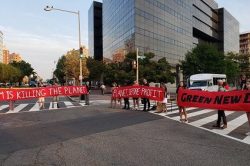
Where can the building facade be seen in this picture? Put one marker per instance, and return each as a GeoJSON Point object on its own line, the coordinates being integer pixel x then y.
{"type": "Point", "coordinates": [14, 57]}
{"type": "Point", "coordinates": [6, 56]}
{"type": "Point", "coordinates": [167, 28]}
{"type": "Point", "coordinates": [1, 47]}
{"type": "Point", "coordinates": [95, 31]}
{"type": "Point", "coordinates": [245, 43]}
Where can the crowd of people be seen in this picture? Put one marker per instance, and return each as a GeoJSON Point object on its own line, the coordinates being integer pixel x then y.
{"type": "Point", "coordinates": [161, 106]}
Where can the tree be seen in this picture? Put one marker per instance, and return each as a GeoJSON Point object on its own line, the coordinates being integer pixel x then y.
{"type": "Point", "coordinates": [96, 69]}
{"type": "Point", "coordinates": [60, 69]}
{"type": "Point", "coordinates": [243, 61]}
{"type": "Point", "coordinates": [153, 71]}
{"type": "Point", "coordinates": [8, 73]}
{"type": "Point", "coordinates": [72, 65]}
{"type": "Point", "coordinates": [204, 58]}
{"type": "Point", "coordinates": [24, 68]}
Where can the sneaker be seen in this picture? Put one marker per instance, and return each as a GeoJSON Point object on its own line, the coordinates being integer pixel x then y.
{"type": "Point", "coordinates": [224, 127]}
{"type": "Point", "coordinates": [186, 121]}
{"type": "Point", "coordinates": [248, 134]}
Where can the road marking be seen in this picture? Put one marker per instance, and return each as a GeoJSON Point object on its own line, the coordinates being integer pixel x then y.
{"type": "Point", "coordinates": [177, 111]}
{"type": "Point", "coordinates": [35, 107]}
{"type": "Point", "coordinates": [246, 140]}
{"type": "Point", "coordinates": [68, 104]}
{"type": "Point", "coordinates": [208, 119]}
{"type": "Point", "coordinates": [233, 124]}
{"type": "Point", "coordinates": [53, 105]}
{"type": "Point", "coordinates": [189, 115]}
{"type": "Point", "coordinates": [82, 104]}
{"type": "Point", "coordinates": [18, 108]}
{"type": "Point", "coordinates": [3, 107]}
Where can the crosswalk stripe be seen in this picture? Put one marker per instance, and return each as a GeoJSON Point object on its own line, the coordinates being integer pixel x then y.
{"type": "Point", "coordinates": [68, 104]}
{"type": "Point", "coordinates": [82, 104]}
{"type": "Point", "coordinates": [194, 114]}
{"type": "Point", "coordinates": [3, 107]}
{"type": "Point", "coordinates": [233, 124]}
{"type": "Point", "coordinates": [246, 140]}
{"type": "Point", "coordinates": [53, 105]}
{"type": "Point", "coordinates": [18, 108]}
{"type": "Point", "coordinates": [176, 111]}
{"type": "Point", "coordinates": [35, 107]}
{"type": "Point", "coordinates": [209, 119]}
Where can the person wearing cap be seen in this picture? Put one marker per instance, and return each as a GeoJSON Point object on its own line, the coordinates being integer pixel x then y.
{"type": "Point", "coordinates": [221, 113]}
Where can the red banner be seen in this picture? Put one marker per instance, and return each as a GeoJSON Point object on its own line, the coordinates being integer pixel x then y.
{"type": "Point", "coordinates": [139, 92]}
{"type": "Point", "coordinates": [231, 100]}
{"type": "Point", "coordinates": [29, 93]}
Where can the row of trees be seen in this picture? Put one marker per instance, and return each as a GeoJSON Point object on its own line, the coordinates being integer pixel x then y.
{"type": "Point", "coordinates": [205, 58]}
{"type": "Point", "coordinates": [15, 72]}
{"type": "Point", "coordinates": [122, 72]}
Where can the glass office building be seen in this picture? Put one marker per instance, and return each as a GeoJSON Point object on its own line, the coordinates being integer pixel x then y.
{"type": "Point", "coordinates": [1, 47]}
{"type": "Point", "coordinates": [168, 28]}
{"type": "Point", "coordinates": [95, 31]}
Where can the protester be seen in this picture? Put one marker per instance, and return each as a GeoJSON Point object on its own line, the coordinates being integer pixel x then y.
{"type": "Point", "coordinates": [136, 100]}
{"type": "Point", "coordinates": [126, 102]}
{"type": "Point", "coordinates": [103, 87]}
{"type": "Point", "coordinates": [165, 100]}
{"type": "Point", "coordinates": [41, 99]}
{"type": "Point", "coordinates": [119, 100]}
{"type": "Point", "coordinates": [55, 98]}
{"type": "Point", "coordinates": [248, 113]}
{"type": "Point", "coordinates": [221, 113]}
{"type": "Point", "coordinates": [161, 105]}
{"type": "Point", "coordinates": [243, 80]}
{"type": "Point", "coordinates": [113, 100]}
{"type": "Point", "coordinates": [182, 110]}
{"type": "Point", "coordinates": [154, 107]}
{"type": "Point", "coordinates": [145, 100]}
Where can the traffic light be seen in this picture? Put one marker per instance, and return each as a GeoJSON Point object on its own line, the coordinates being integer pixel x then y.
{"type": "Point", "coordinates": [134, 64]}
{"type": "Point", "coordinates": [81, 50]}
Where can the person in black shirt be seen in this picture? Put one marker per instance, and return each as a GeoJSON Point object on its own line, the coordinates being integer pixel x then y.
{"type": "Point", "coordinates": [146, 100]}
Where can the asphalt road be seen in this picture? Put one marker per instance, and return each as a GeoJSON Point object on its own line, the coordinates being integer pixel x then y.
{"type": "Point", "coordinates": [98, 135]}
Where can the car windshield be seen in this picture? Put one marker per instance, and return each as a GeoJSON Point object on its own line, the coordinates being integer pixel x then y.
{"type": "Point", "coordinates": [199, 83]}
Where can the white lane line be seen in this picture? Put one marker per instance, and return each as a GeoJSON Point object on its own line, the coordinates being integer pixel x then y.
{"type": "Point", "coordinates": [35, 107]}
{"type": "Point", "coordinates": [68, 104]}
{"type": "Point", "coordinates": [18, 108]}
{"type": "Point", "coordinates": [3, 107]}
{"type": "Point", "coordinates": [189, 115]}
{"type": "Point", "coordinates": [169, 113]}
{"type": "Point", "coordinates": [52, 105]}
{"type": "Point", "coordinates": [176, 111]}
{"type": "Point", "coordinates": [208, 119]}
{"type": "Point", "coordinates": [233, 124]}
{"type": "Point", "coordinates": [246, 140]}
{"type": "Point", "coordinates": [82, 104]}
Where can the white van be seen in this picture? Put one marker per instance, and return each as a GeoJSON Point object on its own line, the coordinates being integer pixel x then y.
{"type": "Point", "coordinates": [205, 81]}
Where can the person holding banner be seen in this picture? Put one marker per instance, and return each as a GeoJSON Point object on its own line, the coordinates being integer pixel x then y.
{"type": "Point", "coordinates": [41, 99]}
{"type": "Point", "coordinates": [113, 100]}
{"type": "Point", "coordinates": [145, 100]}
{"type": "Point", "coordinates": [126, 101]}
{"type": "Point", "coordinates": [182, 110]}
{"type": "Point", "coordinates": [136, 100]}
{"type": "Point", "coordinates": [221, 113]}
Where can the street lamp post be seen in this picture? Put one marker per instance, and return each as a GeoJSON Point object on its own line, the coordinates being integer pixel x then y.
{"type": "Point", "coordinates": [48, 8]}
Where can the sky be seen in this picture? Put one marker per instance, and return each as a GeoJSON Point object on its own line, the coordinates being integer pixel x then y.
{"type": "Point", "coordinates": [41, 37]}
